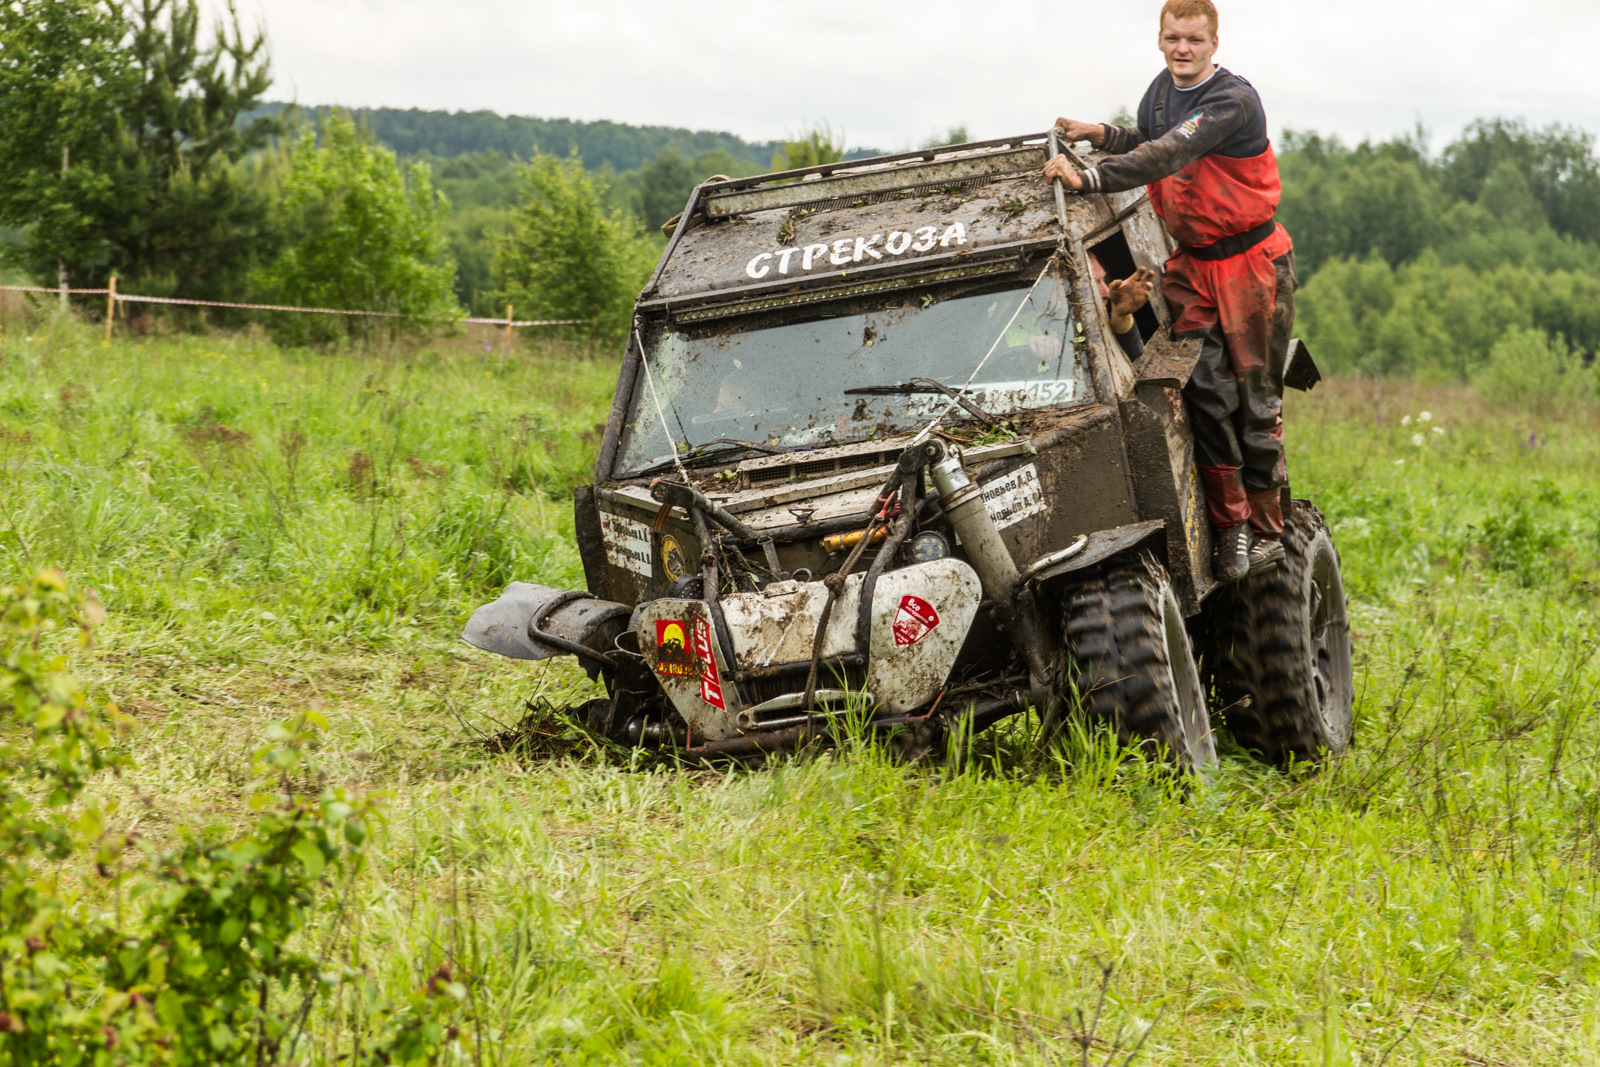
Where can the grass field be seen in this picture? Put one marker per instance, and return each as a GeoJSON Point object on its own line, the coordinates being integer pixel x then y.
{"type": "Point", "coordinates": [278, 531]}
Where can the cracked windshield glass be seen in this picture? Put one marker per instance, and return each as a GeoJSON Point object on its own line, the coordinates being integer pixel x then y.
{"type": "Point", "coordinates": [786, 386]}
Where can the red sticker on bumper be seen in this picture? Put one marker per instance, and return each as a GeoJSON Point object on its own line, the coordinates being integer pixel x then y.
{"type": "Point", "coordinates": [673, 654]}
{"type": "Point", "coordinates": [710, 684]}
{"type": "Point", "coordinates": [914, 620]}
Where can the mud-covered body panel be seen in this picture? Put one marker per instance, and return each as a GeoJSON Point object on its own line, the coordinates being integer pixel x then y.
{"type": "Point", "coordinates": [920, 617]}
{"type": "Point", "coordinates": [1083, 482]}
{"type": "Point", "coordinates": [834, 239]}
{"type": "Point", "coordinates": [1112, 463]}
{"type": "Point", "coordinates": [1161, 452]}
{"type": "Point", "coordinates": [742, 253]}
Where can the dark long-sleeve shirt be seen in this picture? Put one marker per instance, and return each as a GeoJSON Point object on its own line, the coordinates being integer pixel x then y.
{"type": "Point", "coordinates": [1132, 342]}
{"type": "Point", "coordinates": [1222, 116]}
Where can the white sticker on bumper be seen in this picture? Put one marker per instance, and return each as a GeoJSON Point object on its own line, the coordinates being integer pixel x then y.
{"type": "Point", "coordinates": [627, 543]}
{"type": "Point", "coordinates": [1014, 497]}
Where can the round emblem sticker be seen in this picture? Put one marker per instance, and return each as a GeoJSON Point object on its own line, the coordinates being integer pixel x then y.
{"type": "Point", "coordinates": [672, 558]}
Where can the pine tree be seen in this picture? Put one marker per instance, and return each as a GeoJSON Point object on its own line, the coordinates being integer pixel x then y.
{"type": "Point", "coordinates": [61, 78]}
{"type": "Point", "coordinates": [122, 146]}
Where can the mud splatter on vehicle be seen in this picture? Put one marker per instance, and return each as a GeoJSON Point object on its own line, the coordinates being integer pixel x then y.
{"type": "Point", "coordinates": [874, 452]}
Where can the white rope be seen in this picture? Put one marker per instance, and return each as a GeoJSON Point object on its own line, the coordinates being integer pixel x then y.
{"type": "Point", "coordinates": [127, 298]}
{"type": "Point", "coordinates": [950, 404]}
{"type": "Point", "coordinates": [660, 413]}
{"type": "Point", "coordinates": [131, 298]}
{"type": "Point", "coordinates": [43, 289]}
{"type": "Point", "coordinates": [528, 322]}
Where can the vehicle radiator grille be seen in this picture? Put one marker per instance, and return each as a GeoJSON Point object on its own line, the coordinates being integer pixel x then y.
{"type": "Point", "coordinates": [802, 471]}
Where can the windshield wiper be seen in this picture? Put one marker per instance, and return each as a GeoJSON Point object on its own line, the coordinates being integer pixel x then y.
{"type": "Point", "coordinates": [924, 385]}
{"type": "Point", "coordinates": [710, 454]}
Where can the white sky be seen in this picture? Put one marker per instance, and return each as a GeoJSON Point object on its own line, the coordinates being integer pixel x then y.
{"type": "Point", "coordinates": [893, 72]}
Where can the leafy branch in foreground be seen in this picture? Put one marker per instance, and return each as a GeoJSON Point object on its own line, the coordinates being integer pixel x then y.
{"type": "Point", "coordinates": [209, 969]}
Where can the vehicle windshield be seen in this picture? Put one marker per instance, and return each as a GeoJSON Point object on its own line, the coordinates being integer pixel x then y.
{"type": "Point", "coordinates": [785, 385]}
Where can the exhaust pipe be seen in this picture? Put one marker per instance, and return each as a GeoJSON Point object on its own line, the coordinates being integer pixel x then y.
{"type": "Point", "coordinates": [962, 500]}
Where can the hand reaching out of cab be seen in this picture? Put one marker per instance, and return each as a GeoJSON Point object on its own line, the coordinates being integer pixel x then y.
{"type": "Point", "coordinates": [1130, 294]}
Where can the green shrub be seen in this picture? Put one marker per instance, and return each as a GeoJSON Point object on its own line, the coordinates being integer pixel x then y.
{"type": "Point", "coordinates": [567, 256]}
{"type": "Point", "coordinates": [1519, 541]}
{"type": "Point", "coordinates": [208, 968]}
{"type": "Point", "coordinates": [365, 236]}
{"type": "Point", "coordinates": [1529, 369]}
{"type": "Point", "coordinates": [811, 147]}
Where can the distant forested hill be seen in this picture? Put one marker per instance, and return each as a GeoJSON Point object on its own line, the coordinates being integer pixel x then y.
{"type": "Point", "coordinates": [446, 134]}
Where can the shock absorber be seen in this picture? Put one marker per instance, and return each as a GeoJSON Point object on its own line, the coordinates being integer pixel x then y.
{"type": "Point", "coordinates": [963, 504]}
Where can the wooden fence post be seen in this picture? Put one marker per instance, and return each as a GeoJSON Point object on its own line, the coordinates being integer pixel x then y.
{"type": "Point", "coordinates": [111, 306]}
{"type": "Point", "coordinates": [508, 329]}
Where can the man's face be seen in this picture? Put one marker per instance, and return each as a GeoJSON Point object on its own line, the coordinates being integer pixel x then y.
{"type": "Point", "coordinates": [1188, 46]}
{"type": "Point", "coordinates": [1100, 278]}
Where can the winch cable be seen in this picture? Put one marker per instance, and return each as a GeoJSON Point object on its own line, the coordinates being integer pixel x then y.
{"type": "Point", "coordinates": [655, 398]}
{"type": "Point", "coordinates": [710, 546]}
{"type": "Point", "coordinates": [835, 584]}
{"type": "Point", "coordinates": [951, 405]}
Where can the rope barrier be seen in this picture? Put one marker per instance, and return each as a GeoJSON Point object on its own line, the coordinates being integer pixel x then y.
{"type": "Point", "coordinates": [528, 322]}
{"type": "Point", "coordinates": [124, 298]}
{"type": "Point", "coordinates": [128, 298]}
{"type": "Point", "coordinates": [42, 289]}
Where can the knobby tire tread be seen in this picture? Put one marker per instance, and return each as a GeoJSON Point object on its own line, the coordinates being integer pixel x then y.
{"type": "Point", "coordinates": [1261, 671]}
{"type": "Point", "coordinates": [1116, 648]}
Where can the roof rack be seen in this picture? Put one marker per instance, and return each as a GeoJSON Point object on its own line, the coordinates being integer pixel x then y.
{"type": "Point", "coordinates": [875, 178]}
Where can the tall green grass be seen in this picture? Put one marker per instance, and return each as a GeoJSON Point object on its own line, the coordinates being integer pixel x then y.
{"type": "Point", "coordinates": [199, 477]}
{"type": "Point", "coordinates": [1431, 898]}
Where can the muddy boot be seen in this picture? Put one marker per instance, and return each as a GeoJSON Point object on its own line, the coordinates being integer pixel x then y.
{"type": "Point", "coordinates": [1264, 552]}
{"type": "Point", "coordinates": [1230, 553]}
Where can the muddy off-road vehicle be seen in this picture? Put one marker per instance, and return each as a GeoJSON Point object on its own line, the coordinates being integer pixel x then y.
{"type": "Point", "coordinates": [876, 458]}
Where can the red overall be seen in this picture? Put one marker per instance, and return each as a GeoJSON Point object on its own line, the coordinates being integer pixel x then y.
{"type": "Point", "coordinates": [1242, 309]}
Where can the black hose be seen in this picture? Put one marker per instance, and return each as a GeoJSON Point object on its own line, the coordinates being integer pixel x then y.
{"type": "Point", "coordinates": [679, 494]}
{"type": "Point", "coordinates": [886, 553]}
{"type": "Point", "coordinates": [835, 584]}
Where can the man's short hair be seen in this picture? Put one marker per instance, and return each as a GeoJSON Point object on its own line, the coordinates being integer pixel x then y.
{"type": "Point", "coordinates": [1191, 9]}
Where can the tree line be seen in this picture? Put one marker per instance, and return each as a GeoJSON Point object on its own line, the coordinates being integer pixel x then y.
{"type": "Point", "coordinates": [1426, 263]}
{"type": "Point", "coordinates": [618, 145]}
{"type": "Point", "coordinates": [138, 145]}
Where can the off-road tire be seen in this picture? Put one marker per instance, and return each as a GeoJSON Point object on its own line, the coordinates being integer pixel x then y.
{"type": "Point", "coordinates": [1277, 646]}
{"type": "Point", "coordinates": [1127, 662]}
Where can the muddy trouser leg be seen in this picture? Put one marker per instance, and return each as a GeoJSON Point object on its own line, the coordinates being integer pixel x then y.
{"type": "Point", "coordinates": [1211, 394]}
{"type": "Point", "coordinates": [1255, 298]}
{"type": "Point", "coordinates": [1260, 415]}
{"type": "Point", "coordinates": [1212, 397]}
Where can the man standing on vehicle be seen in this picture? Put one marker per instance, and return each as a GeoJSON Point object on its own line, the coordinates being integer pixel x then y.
{"type": "Point", "coordinates": [1202, 148]}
